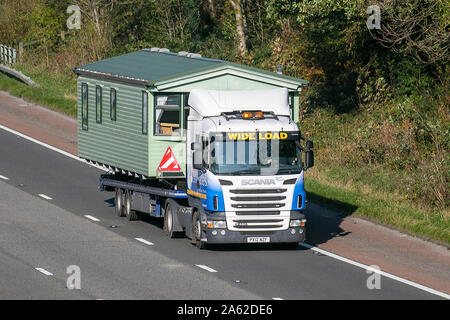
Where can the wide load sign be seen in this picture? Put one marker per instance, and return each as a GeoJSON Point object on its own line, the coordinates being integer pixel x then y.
{"type": "Point", "coordinates": [257, 135]}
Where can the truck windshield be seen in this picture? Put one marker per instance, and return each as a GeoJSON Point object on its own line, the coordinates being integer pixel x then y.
{"type": "Point", "coordinates": [255, 153]}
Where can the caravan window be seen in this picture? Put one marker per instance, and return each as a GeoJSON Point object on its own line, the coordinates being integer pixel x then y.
{"type": "Point", "coordinates": [291, 104]}
{"type": "Point", "coordinates": [144, 112]}
{"type": "Point", "coordinates": [84, 106]}
{"type": "Point", "coordinates": [112, 104]}
{"type": "Point", "coordinates": [167, 114]}
{"type": "Point", "coordinates": [98, 104]}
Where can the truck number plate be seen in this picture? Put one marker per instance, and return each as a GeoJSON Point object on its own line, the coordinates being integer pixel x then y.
{"type": "Point", "coordinates": [258, 239]}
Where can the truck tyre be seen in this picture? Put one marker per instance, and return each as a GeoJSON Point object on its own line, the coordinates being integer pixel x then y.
{"type": "Point", "coordinates": [130, 214]}
{"type": "Point", "coordinates": [168, 221]}
{"type": "Point", "coordinates": [196, 237]}
{"type": "Point", "coordinates": [118, 202]}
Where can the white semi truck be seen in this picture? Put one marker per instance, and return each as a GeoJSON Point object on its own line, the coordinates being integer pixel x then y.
{"type": "Point", "coordinates": [245, 165]}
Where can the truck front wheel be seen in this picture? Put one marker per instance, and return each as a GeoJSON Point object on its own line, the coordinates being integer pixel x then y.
{"type": "Point", "coordinates": [196, 237]}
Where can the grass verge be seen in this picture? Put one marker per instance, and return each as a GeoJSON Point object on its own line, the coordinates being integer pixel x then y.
{"type": "Point", "coordinates": [58, 92]}
{"type": "Point", "coordinates": [381, 208]}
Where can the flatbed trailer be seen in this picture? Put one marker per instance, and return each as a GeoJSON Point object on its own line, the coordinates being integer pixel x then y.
{"type": "Point", "coordinates": [155, 197]}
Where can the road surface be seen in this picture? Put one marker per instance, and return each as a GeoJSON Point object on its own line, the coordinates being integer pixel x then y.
{"type": "Point", "coordinates": [52, 216]}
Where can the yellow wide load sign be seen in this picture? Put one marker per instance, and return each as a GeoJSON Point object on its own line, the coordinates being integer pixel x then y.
{"type": "Point", "coordinates": [257, 135]}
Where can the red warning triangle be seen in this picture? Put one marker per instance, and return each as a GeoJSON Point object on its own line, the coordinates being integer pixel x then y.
{"type": "Point", "coordinates": [168, 162]}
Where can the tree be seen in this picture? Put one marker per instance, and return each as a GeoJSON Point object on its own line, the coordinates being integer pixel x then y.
{"type": "Point", "coordinates": [418, 28]}
{"type": "Point", "coordinates": [240, 26]}
{"type": "Point", "coordinates": [211, 10]}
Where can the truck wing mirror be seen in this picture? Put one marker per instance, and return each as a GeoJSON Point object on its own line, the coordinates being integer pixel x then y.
{"type": "Point", "coordinates": [309, 155]}
{"type": "Point", "coordinates": [309, 159]}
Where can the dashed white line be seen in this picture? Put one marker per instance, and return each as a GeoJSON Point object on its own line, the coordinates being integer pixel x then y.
{"type": "Point", "coordinates": [44, 196]}
{"type": "Point", "coordinates": [277, 298]}
{"type": "Point", "coordinates": [386, 274]}
{"type": "Point", "coordinates": [3, 177]}
{"type": "Point", "coordinates": [206, 268]}
{"type": "Point", "coordinates": [145, 241]}
{"type": "Point", "coordinates": [92, 218]}
{"type": "Point", "coordinates": [42, 270]}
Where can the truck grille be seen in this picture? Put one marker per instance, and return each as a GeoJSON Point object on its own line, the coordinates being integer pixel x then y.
{"type": "Point", "coordinates": [273, 198]}
{"type": "Point", "coordinates": [262, 199]}
{"type": "Point", "coordinates": [257, 213]}
{"type": "Point", "coordinates": [253, 208]}
{"type": "Point", "coordinates": [257, 205]}
{"type": "Point", "coordinates": [257, 191]}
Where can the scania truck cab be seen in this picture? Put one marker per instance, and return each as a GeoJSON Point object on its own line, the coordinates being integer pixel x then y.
{"type": "Point", "coordinates": [243, 180]}
{"type": "Point", "coordinates": [244, 168]}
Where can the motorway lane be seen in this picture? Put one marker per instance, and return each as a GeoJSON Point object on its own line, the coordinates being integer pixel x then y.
{"type": "Point", "coordinates": [267, 271]}
{"type": "Point", "coordinates": [37, 234]}
{"type": "Point", "coordinates": [19, 280]}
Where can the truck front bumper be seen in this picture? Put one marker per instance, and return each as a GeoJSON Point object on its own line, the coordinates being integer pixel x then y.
{"type": "Point", "coordinates": [296, 234]}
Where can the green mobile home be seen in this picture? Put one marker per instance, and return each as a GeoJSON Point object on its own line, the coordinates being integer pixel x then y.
{"type": "Point", "coordinates": [131, 108]}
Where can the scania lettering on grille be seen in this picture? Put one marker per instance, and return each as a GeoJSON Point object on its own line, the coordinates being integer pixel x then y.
{"type": "Point", "coordinates": [252, 182]}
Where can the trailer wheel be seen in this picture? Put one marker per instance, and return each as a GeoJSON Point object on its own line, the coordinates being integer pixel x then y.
{"type": "Point", "coordinates": [168, 221]}
{"type": "Point", "coordinates": [196, 237]}
{"type": "Point", "coordinates": [130, 214]}
{"type": "Point", "coordinates": [118, 201]}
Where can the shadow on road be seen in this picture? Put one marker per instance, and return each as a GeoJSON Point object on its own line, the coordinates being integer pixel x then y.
{"type": "Point", "coordinates": [324, 217]}
{"type": "Point", "coordinates": [111, 202]}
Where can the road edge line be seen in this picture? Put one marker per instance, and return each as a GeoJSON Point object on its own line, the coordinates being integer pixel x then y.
{"type": "Point", "coordinates": [383, 273]}
{"type": "Point", "coordinates": [43, 144]}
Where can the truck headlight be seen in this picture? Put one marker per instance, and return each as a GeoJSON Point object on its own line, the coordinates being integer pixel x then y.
{"type": "Point", "coordinates": [219, 224]}
{"type": "Point", "coordinates": [297, 223]}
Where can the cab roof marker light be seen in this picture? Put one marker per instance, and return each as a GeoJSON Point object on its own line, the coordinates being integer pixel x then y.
{"type": "Point", "coordinates": [247, 115]}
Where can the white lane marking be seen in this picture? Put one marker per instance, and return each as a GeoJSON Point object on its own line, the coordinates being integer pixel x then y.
{"type": "Point", "coordinates": [277, 298]}
{"type": "Point", "coordinates": [206, 268]}
{"type": "Point", "coordinates": [332, 255]}
{"type": "Point", "coordinates": [145, 241]}
{"type": "Point", "coordinates": [42, 270]}
{"type": "Point", "coordinates": [91, 218]}
{"type": "Point", "coordinates": [383, 273]}
{"type": "Point", "coordinates": [44, 196]}
{"type": "Point", "coordinates": [67, 154]}
{"type": "Point", "coordinates": [3, 177]}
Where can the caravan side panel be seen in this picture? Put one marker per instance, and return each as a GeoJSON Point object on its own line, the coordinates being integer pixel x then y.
{"type": "Point", "coordinates": [118, 143]}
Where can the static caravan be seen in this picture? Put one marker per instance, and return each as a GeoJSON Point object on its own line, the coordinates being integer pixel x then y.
{"type": "Point", "coordinates": [133, 109]}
